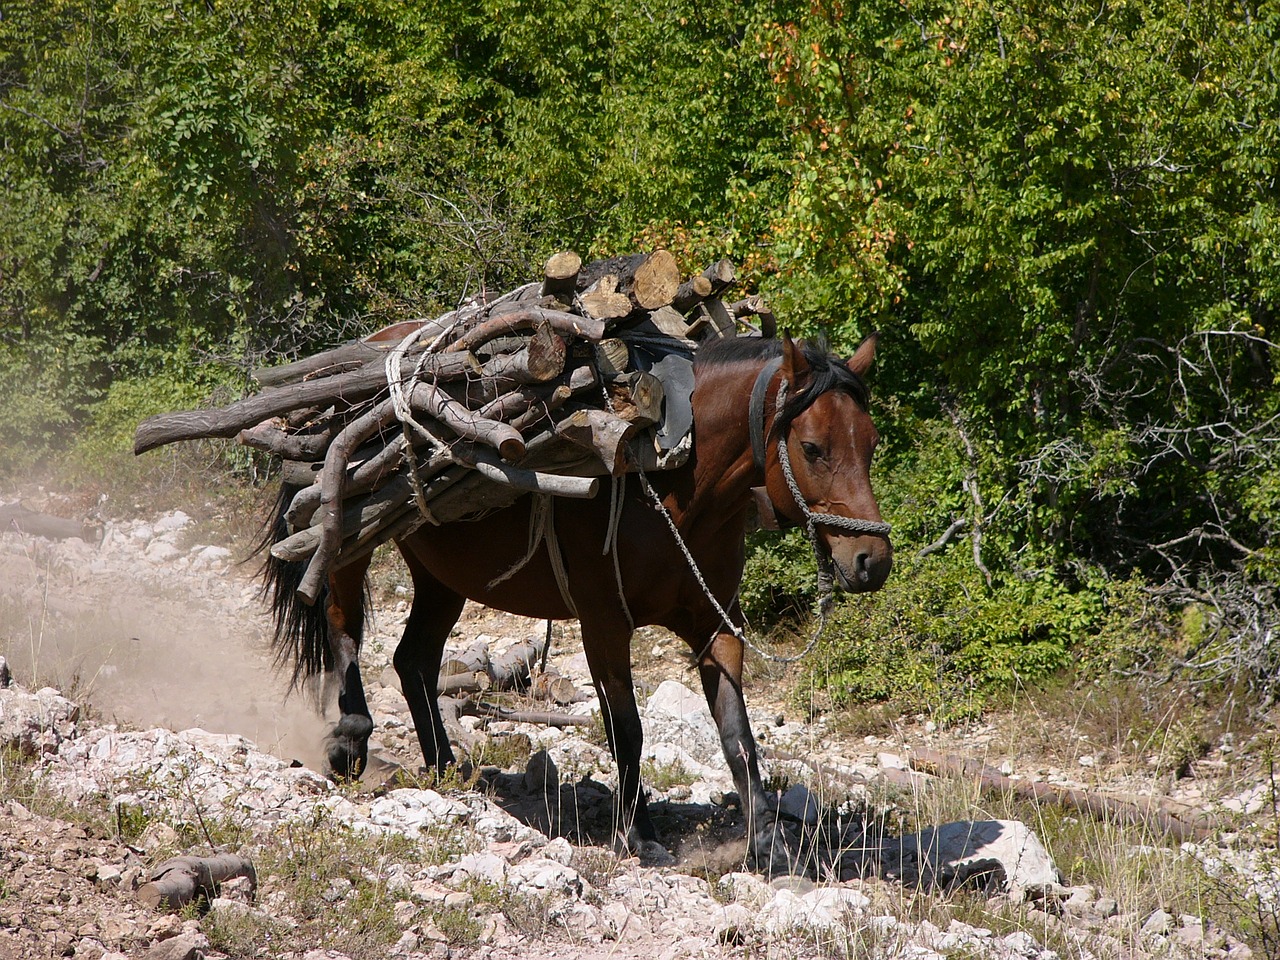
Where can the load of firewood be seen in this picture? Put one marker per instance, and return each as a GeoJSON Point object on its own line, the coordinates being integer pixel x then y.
{"type": "Point", "coordinates": [543, 389]}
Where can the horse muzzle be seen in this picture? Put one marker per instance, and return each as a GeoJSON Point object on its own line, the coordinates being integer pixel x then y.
{"type": "Point", "coordinates": [862, 564]}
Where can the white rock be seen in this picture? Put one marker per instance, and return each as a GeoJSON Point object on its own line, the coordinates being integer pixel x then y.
{"type": "Point", "coordinates": [541, 875]}
{"type": "Point", "coordinates": [161, 551]}
{"type": "Point", "coordinates": [171, 522]}
{"type": "Point", "coordinates": [674, 699]}
{"type": "Point", "coordinates": [486, 867]}
{"type": "Point", "coordinates": [1001, 852]}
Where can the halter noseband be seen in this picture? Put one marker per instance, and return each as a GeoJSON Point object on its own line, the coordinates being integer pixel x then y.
{"type": "Point", "coordinates": [769, 516]}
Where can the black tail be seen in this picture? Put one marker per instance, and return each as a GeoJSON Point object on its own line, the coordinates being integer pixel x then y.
{"type": "Point", "coordinates": [301, 632]}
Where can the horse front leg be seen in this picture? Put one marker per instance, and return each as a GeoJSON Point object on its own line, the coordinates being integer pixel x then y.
{"type": "Point", "coordinates": [720, 667]}
{"type": "Point", "coordinates": [347, 747]}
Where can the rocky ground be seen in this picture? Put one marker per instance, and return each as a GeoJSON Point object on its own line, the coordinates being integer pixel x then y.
{"type": "Point", "coordinates": [169, 737]}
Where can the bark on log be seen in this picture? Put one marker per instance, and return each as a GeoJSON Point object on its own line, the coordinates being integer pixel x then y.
{"type": "Point", "coordinates": [474, 659]}
{"type": "Point", "coordinates": [14, 516]}
{"type": "Point", "coordinates": [612, 356]}
{"type": "Point", "coordinates": [603, 434]}
{"type": "Point", "coordinates": [431, 400]}
{"type": "Point", "coordinates": [357, 385]}
{"type": "Point", "coordinates": [513, 669]}
{"type": "Point", "coordinates": [178, 881]}
{"type": "Point", "coordinates": [270, 436]}
{"type": "Point", "coordinates": [569, 325]}
{"type": "Point", "coordinates": [561, 275]}
{"type": "Point", "coordinates": [488, 466]}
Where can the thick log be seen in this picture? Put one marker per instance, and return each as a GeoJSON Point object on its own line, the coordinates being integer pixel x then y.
{"type": "Point", "coordinates": [655, 281]}
{"type": "Point", "coordinates": [616, 267]}
{"type": "Point", "coordinates": [513, 669]}
{"type": "Point", "coordinates": [612, 356]}
{"type": "Point", "coordinates": [14, 516]}
{"type": "Point", "coordinates": [722, 274]}
{"type": "Point", "coordinates": [474, 659]}
{"type": "Point", "coordinates": [637, 397]}
{"type": "Point", "coordinates": [561, 275]}
{"type": "Point", "coordinates": [356, 385]}
{"type": "Point", "coordinates": [603, 434]}
{"type": "Point", "coordinates": [602, 301]}
{"type": "Point", "coordinates": [690, 293]}
{"type": "Point", "coordinates": [178, 881]}
{"type": "Point", "coordinates": [668, 321]}
{"type": "Point", "coordinates": [540, 360]}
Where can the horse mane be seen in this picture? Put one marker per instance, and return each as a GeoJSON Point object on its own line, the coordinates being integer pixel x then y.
{"type": "Point", "coordinates": [828, 371]}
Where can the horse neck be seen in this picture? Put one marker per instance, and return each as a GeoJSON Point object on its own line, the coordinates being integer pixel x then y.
{"type": "Point", "coordinates": [724, 469]}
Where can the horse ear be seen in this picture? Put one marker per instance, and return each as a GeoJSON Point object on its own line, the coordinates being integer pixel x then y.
{"type": "Point", "coordinates": [795, 368]}
{"type": "Point", "coordinates": [860, 362]}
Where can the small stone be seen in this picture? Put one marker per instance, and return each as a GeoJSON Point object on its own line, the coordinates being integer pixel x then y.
{"type": "Point", "coordinates": [177, 948]}
{"type": "Point", "coordinates": [1158, 924]}
{"type": "Point", "coordinates": [165, 927]}
{"type": "Point", "coordinates": [1106, 907]}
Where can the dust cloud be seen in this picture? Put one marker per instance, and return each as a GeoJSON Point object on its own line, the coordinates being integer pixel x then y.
{"type": "Point", "coordinates": [146, 645]}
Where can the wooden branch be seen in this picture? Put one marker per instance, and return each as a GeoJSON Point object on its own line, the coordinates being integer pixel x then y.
{"type": "Point", "coordinates": [178, 881]}
{"type": "Point", "coordinates": [569, 325]}
{"type": "Point", "coordinates": [478, 708]}
{"type": "Point", "coordinates": [947, 535]}
{"type": "Point", "coordinates": [474, 659]}
{"type": "Point", "coordinates": [270, 436]}
{"type": "Point", "coordinates": [434, 402]}
{"type": "Point", "coordinates": [513, 669]}
{"type": "Point", "coordinates": [14, 516]}
{"type": "Point", "coordinates": [488, 466]}
{"type": "Point", "coordinates": [758, 307]}
{"type": "Point", "coordinates": [1148, 812]}
{"type": "Point", "coordinates": [357, 385]}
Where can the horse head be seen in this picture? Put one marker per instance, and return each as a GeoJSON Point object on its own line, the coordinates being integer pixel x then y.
{"type": "Point", "coordinates": [818, 465]}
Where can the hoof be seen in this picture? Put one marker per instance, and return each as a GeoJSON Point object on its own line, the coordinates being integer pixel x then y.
{"type": "Point", "coordinates": [776, 851]}
{"type": "Point", "coordinates": [348, 747]}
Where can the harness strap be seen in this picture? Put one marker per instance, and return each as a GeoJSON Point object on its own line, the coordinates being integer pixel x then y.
{"type": "Point", "coordinates": [755, 410]}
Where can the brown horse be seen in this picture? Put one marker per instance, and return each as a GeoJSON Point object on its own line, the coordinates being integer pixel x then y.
{"type": "Point", "coordinates": [823, 423]}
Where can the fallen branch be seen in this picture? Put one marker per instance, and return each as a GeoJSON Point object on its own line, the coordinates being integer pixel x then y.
{"type": "Point", "coordinates": [178, 881]}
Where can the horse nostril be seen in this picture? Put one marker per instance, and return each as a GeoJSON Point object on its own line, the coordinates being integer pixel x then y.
{"type": "Point", "coordinates": [862, 566]}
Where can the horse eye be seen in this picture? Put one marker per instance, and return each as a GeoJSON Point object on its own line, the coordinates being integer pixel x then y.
{"type": "Point", "coordinates": [811, 451]}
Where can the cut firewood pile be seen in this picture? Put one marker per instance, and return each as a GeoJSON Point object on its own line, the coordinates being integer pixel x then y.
{"type": "Point", "coordinates": [583, 374]}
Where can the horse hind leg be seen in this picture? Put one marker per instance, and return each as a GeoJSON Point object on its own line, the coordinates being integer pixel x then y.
{"type": "Point", "coordinates": [608, 651]}
{"type": "Point", "coordinates": [347, 747]}
{"type": "Point", "coordinates": [435, 610]}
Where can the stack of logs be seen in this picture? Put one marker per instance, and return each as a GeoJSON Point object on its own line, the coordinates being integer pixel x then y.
{"type": "Point", "coordinates": [437, 420]}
